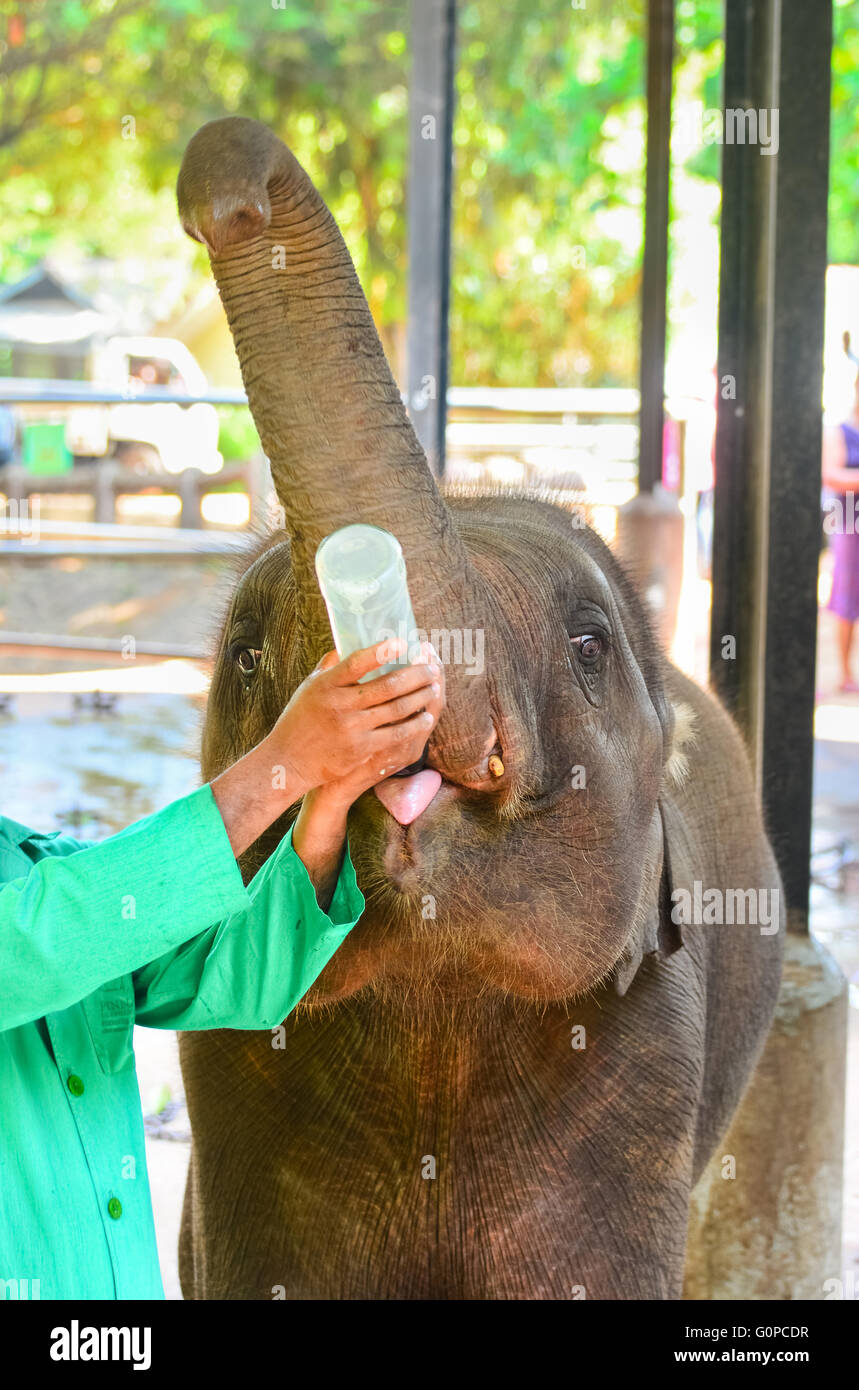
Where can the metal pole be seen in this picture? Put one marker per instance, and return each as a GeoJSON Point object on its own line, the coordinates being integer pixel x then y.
{"type": "Point", "coordinates": [433, 30]}
{"type": "Point", "coordinates": [768, 439]}
{"type": "Point", "coordinates": [788, 1133]}
{"type": "Point", "coordinates": [794, 498]}
{"type": "Point", "coordinates": [654, 283]}
{"type": "Point", "coordinates": [740, 521]}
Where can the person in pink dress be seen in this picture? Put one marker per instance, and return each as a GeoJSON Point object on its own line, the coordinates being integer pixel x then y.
{"type": "Point", "coordinates": [841, 476]}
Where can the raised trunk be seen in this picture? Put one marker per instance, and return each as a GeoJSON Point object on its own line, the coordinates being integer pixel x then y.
{"type": "Point", "coordinates": [327, 408]}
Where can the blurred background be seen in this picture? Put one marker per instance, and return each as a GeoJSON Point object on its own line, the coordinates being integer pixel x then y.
{"type": "Point", "coordinates": [131, 476]}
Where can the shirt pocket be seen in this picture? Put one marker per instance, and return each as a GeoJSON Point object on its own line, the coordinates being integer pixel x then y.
{"type": "Point", "coordinates": [109, 1013]}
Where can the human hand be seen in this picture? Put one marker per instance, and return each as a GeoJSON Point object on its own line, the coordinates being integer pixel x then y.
{"type": "Point", "coordinates": [336, 731]}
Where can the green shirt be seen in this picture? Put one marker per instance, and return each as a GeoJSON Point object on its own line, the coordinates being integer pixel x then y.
{"type": "Point", "coordinates": [152, 926]}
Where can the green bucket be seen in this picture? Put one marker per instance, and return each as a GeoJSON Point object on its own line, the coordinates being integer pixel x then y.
{"type": "Point", "coordinates": [43, 449]}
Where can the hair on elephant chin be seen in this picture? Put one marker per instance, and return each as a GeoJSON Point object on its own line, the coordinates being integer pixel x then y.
{"type": "Point", "coordinates": [676, 771]}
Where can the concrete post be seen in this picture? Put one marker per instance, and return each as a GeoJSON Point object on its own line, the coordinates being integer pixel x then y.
{"type": "Point", "coordinates": [14, 482]}
{"type": "Point", "coordinates": [650, 544]}
{"type": "Point", "coordinates": [189, 481]}
{"type": "Point", "coordinates": [105, 487]}
{"type": "Point", "coordinates": [774, 1230]}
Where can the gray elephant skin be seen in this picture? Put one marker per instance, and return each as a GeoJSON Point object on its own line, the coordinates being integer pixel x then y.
{"type": "Point", "coordinates": [506, 1082]}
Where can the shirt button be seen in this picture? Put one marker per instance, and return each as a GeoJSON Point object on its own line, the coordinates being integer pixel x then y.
{"type": "Point", "coordinates": [75, 1085]}
{"type": "Point", "coordinates": [114, 1208]}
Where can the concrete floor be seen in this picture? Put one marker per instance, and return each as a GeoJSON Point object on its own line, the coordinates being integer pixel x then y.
{"type": "Point", "coordinates": [835, 895]}
{"type": "Point", "coordinates": [166, 1159]}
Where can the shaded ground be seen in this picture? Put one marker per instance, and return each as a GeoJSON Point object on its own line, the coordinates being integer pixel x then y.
{"type": "Point", "coordinates": [175, 601]}
{"type": "Point", "coordinates": [835, 893]}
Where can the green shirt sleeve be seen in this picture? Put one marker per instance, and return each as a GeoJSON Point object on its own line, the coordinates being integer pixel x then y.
{"type": "Point", "coordinates": [250, 970]}
{"type": "Point", "coordinates": [80, 919]}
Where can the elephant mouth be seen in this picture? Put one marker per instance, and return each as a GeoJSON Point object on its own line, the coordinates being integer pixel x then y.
{"type": "Point", "coordinates": [412, 833]}
{"type": "Point", "coordinates": [407, 798]}
{"type": "Point", "coordinates": [404, 858]}
{"type": "Point", "coordinates": [399, 847]}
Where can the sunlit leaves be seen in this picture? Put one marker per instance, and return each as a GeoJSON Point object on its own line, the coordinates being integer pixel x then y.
{"type": "Point", "coordinates": [549, 152]}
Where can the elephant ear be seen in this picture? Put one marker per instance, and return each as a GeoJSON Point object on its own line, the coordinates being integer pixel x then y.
{"type": "Point", "coordinates": [658, 933]}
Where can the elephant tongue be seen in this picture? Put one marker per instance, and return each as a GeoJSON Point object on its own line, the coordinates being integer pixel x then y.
{"type": "Point", "coordinates": [407, 797]}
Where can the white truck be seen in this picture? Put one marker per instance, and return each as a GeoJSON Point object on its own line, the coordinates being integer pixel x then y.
{"type": "Point", "coordinates": [158, 438]}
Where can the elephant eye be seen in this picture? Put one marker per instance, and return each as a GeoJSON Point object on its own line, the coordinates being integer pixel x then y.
{"type": "Point", "coordinates": [589, 647]}
{"type": "Point", "coordinates": [247, 659]}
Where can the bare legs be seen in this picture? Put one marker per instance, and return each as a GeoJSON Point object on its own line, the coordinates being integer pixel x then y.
{"type": "Point", "coordinates": [845, 628]}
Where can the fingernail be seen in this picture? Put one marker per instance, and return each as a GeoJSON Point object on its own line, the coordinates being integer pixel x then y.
{"type": "Point", "coordinates": [427, 717]}
{"type": "Point", "coordinates": [435, 688]}
{"type": "Point", "coordinates": [435, 669]}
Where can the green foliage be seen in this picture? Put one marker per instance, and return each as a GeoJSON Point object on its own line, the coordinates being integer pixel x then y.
{"type": "Point", "coordinates": [92, 162]}
{"type": "Point", "coordinates": [549, 144]}
{"type": "Point", "coordinates": [98, 99]}
{"type": "Point", "coordinates": [237, 436]}
{"type": "Point", "coordinates": [844, 137]}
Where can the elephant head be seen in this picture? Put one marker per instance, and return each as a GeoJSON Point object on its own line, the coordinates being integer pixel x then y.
{"type": "Point", "coordinates": [508, 880]}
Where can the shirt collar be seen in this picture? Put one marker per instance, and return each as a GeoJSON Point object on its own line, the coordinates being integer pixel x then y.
{"type": "Point", "coordinates": [19, 834]}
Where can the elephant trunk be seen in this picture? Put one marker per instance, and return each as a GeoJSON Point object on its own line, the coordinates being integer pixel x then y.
{"type": "Point", "coordinates": [327, 408]}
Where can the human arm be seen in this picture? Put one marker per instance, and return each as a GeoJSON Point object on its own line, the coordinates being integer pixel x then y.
{"type": "Point", "coordinates": [303, 903]}
{"type": "Point", "coordinates": [74, 922]}
{"type": "Point", "coordinates": [250, 970]}
{"type": "Point", "coordinates": [77, 920]}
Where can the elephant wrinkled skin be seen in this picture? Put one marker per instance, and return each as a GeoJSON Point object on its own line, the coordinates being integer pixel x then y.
{"type": "Point", "coordinates": [507, 1080]}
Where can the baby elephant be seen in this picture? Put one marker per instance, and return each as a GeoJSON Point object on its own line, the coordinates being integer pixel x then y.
{"type": "Point", "coordinates": [507, 1080]}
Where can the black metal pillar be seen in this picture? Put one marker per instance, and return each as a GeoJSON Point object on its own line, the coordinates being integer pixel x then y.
{"type": "Point", "coordinates": [431, 102]}
{"type": "Point", "coordinates": [768, 438]}
{"type": "Point", "coordinates": [654, 278]}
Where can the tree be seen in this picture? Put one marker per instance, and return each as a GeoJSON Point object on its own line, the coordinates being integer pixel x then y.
{"type": "Point", "coordinates": [98, 99]}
